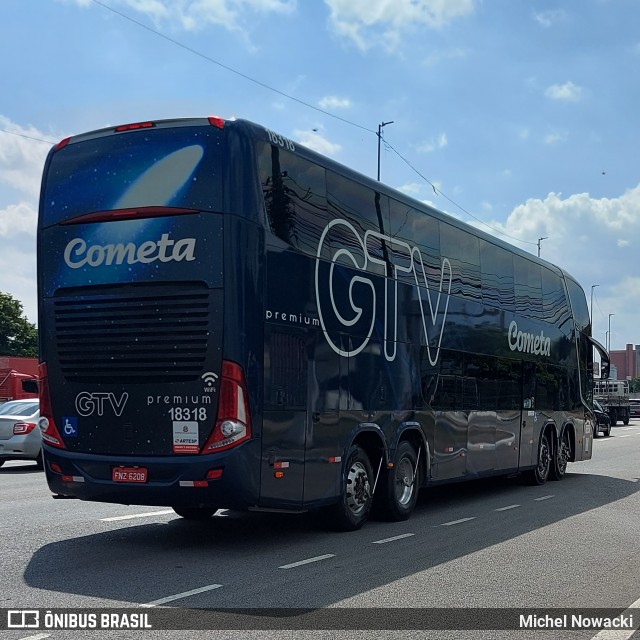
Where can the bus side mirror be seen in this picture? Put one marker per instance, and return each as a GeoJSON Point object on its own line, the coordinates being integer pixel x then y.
{"type": "Point", "coordinates": [605, 367]}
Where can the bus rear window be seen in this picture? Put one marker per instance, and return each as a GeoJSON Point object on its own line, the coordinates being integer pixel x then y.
{"type": "Point", "coordinates": [166, 167]}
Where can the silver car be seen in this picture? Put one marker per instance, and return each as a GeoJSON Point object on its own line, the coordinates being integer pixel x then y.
{"type": "Point", "coordinates": [20, 437]}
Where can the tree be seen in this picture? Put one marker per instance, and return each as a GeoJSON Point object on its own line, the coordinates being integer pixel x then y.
{"type": "Point", "coordinates": [18, 337]}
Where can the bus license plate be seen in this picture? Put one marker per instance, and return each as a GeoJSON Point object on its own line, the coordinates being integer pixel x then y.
{"type": "Point", "coordinates": [129, 474]}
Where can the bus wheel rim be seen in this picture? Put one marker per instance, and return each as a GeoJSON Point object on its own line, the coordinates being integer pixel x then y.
{"type": "Point", "coordinates": [358, 490]}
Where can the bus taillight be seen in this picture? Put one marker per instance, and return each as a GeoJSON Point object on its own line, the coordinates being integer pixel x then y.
{"type": "Point", "coordinates": [233, 425]}
{"type": "Point", "coordinates": [50, 433]}
{"type": "Point", "coordinates": [63, 143]}
{"type": "Point", "coordinates": [134, 126]}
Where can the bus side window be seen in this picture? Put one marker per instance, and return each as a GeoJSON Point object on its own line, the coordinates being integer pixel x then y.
{"type": "Point", "coordinates": [528, 287]}
{"type": "Point", "coordinates": [295, 197]}
{"type": "Point", "coordinates": [463, 251]}
{"type": "Point", "coordinates": [496, 265]}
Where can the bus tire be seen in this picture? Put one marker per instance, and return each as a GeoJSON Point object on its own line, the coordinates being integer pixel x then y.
{"type": "Point", "coordinates": [539, 474]}
{"type": "Point", "coordinates": [352, 510]}
{"type": "Point", "coordinates": [195, 513]}
{"type": "Point", "coordinates": [626, 418]}
{"type": "Point", "coordinates": [400, 494]}
{"type": "Point", "coordinates": [561, 457]}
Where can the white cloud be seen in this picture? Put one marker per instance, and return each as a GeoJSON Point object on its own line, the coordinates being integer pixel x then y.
{"type": "Point", "coordinates": [316, 142]}
{"type": "Point", "coordinates": [369, 22]}
{"type": "Point", "coordinates": [601, 219]}
{"type": "Point", "coordinates": [332, 102]}
{"type": "Point", "coordinates": [411, 189]}
{"type": "Point", "coordinates": [17, 219]}
{"type": "Point", "coordinates": [193, 15]}
{"type": "Point", "coordinates": [556, 137]}
{"type": "Point", "coordinates": [549, 18]}
{"type": "Point", "coordinates": [567, 92]}
{"type": "Point", "coordinates": [22, 156]}
{"type": "Point", "coordinates": [431, 145]}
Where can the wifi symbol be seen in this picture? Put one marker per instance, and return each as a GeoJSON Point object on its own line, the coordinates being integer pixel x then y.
{"type": "Point", "coordinates": [210, 378]}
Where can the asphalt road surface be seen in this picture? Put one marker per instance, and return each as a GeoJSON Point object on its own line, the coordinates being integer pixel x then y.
{"type": "Point", "coordinates": [497, 545]}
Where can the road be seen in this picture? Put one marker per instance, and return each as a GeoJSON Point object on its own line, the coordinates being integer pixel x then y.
{"type": "Point", "coordinates": [490, 544]}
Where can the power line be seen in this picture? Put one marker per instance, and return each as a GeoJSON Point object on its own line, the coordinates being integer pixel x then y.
{"type": "Point", "coordinates": [446, 197]}
{"type": "Point", "coordinates": [264, 85]}
{"type": "Point", "coordinates": [306, 104]}
{"type": "Point", "coordinates": [290, 97]}
{"type": "Point", "coordinates": [22, 135]}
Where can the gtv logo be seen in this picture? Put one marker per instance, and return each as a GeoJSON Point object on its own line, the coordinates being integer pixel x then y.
{"type": "Point", "coordinates": [88, 404]}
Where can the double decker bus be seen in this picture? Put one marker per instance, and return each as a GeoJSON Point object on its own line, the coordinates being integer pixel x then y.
{"type": "Point", "coordinates": [230, 320]}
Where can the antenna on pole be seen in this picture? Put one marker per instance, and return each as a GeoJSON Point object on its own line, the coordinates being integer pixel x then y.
{"type": "Point", "coordinates": [539, 241]}
{"type": "Point", "coordinates": [380, 126]}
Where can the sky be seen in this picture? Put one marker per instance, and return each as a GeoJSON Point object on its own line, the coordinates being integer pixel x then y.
{"type": "Point", "coordinates": [519, 117]}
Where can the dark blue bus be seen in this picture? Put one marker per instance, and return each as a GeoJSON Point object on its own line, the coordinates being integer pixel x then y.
{"type": "Point", "coordinates": [230, 320]}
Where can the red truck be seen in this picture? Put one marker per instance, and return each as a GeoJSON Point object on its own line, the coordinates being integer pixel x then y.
{"type": "Point", "coordinates": [13, 371]}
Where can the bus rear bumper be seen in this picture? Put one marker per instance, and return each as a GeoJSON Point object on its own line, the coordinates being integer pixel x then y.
{"type": "Point", "coordinates": [221, 480]}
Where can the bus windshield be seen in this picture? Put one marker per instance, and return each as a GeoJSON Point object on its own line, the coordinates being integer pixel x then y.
{"type": "Point", "coordinates": [170, 166]}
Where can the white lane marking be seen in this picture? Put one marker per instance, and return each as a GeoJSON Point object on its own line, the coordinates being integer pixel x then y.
{"type": "Point", "coordinates": [621, 634]}
{"type": "Point", "coordinates": [511, 506]}
{"type": "Point", "coordinates": [308, 561]}
{"type": "Point", "coordinates": [38, 636]}
{"type": "Point", "coordinates": [448, 524]}
{"type": "Point", "coordinates": [625, 436]}
{"type": "Point", "coordinates": [544, 497]}
{"type": "Point", "coordinates": [137, 515]}
{"type": "Point", "coordinates": [184, 594]}
{"type": "Point", "coordinates": [404, 535]}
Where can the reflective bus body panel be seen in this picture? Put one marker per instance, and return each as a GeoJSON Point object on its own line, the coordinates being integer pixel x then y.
{"type": "Point", "coordinates": [350, 308]}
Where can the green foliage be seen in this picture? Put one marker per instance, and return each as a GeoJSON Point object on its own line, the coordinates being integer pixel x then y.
{"type": "Point", "coordinates": [634, 385]}
{"type": "Point", "coordinates": [18, 337]}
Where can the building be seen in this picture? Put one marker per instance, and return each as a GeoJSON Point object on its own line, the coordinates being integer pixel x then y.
{"type": "Point", "coordinates": [627, 362]}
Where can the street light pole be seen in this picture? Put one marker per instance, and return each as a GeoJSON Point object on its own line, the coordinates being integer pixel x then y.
{"type": "Point", "coordinates": [380, 126]}
{"type": "Point", "coordinates": [609, 333]}
{"type": "Point", "coordinates": [539, 241]}
{"type": "Point", "coordinates": [593, 286]}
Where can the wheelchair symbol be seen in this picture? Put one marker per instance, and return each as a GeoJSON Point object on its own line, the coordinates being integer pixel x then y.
{"type": "Point", "coordinates": [70, 427]}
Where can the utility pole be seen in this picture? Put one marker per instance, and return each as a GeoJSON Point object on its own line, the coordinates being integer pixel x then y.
{"type": "Point", "coordinates": [380, 126]}
{"type": "Point", "coordinates": [593, 286]}
{"type": "Point", "coordinates": [609, 332]}
{"type": "Point", "coordinates": [539, 241]}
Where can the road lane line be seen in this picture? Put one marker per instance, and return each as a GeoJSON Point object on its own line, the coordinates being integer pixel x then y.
{"type": "Point", "coordinates": [38, 636]}
{"type": "Point", "coordinates": [511, 506]}
{"type": "Point", "coordinates": [621, 634]}
{"type": "Point", "coordinates": [544, 497]}
{"type": "Point", "coordinates": [308, 561]}
{"type": "Point", "coordinates": [178, 596]}
{"type": "Point", "coordinates": [137, 515]}
{"type": "Point", "coordinates": [404, 535]}
{"type": "Point", "coordinates": [448, 524]}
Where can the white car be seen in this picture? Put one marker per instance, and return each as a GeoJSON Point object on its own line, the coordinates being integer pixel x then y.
{"type": "Point", "coordinates": [20, 437]}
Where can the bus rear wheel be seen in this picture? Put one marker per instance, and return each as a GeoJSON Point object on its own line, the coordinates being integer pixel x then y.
{"type": "Point", "coordinates": [561, 457]}
{"type": "Point", "coordinates": [195, 513]}
{"type": "Point", "coordinates": [400, 489]}
{"type": "Point", "coordinates": [538, 475]}
{"type": "Point", "coordinates": [353, 508]}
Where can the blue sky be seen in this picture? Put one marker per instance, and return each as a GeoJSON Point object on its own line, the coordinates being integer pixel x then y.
{"type": "Point", "coordinates": [517, 114]}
